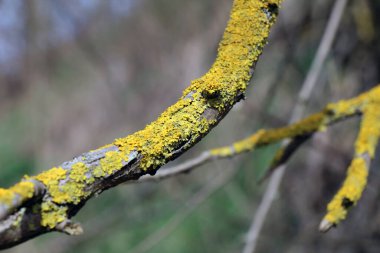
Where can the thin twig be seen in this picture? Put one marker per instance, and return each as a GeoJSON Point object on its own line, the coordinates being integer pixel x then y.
{"type": "Point", "coordinates": [304, 95]}
{"type": "Point", "coordinates": [185, 167]}
{"type": "Point", "coordinates": [197, 199]}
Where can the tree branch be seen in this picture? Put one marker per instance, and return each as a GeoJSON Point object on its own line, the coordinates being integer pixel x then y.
{"type": "Point", "coordinates": [297, 132]}
{"type": "Point", "coordinates": [297, 113]}
{"type": "Point", "coordinates": [27, 212]}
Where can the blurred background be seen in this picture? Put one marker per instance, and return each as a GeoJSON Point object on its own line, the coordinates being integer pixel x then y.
{"type": "Point", "coordinates": [75, 75]}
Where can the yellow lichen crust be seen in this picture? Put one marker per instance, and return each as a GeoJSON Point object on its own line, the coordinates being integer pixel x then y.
{"type": "Point", "coordinates": [242, 44]}
{"type": "Point", "coordinates": [356, 179]}
{"type": "Point", "coordinates": [370, 130]}
{"type": "Point", "coordinates": [112, 162]}
{"type": "Point", "coordinates": [52, 214]}
{"type": "Point", "coordinates": [23, 189]}
{"type": "Point", "coordinates": [311, 124]}
{"type": "Point", "coordinates": [51, 180]}
{"type": "Point", "coordinates": [354, 105]}
{"type": "Point", "coordinates": [6, 197]}
{"type": "Point", "coordinates": [349, 193]}
{"type": "Point", "coordinates": [64, 187]}
{"type": "Point", "coordinates": [15, 196]}
{"type": "Point", "coordinates": [308, 125]}
{"type": "Point", "coordinates": [239, 146]}
{"type": "Point", "coordinates": [200, 108]}
{"type": "Point", "coordinates": [182, 124]}
{"type": "Point", "coordinates": [188, 120]}
{"type": "Point", "coordinates": [367, 104]}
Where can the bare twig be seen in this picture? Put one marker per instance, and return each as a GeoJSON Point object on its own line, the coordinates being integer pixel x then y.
{"type": "Point", "coordinates": [191, 205]}
{"type": "Point", "coordinates": [184, 167]}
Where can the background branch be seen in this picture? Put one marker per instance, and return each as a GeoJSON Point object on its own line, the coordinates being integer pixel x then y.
{"type": "Point", "coordinates": [299, 108]}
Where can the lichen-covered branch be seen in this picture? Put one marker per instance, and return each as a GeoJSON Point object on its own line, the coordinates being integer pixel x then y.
{"type": "Point", "coordinates": [357, 173]}
{"type": "Point", "coordinates": [298, 133]}
{"type": "Point", "coordinates": [46, 202]}
{"type": "Point", "coordinates": [366, 104]}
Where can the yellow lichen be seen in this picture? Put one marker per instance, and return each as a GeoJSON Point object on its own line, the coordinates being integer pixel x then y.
{"type": "Point", "coordinates": [368, 137]}
{"type": "Point", "coordinates": [248, 143]}
{"type": "Point", "coordinates": [6, 196]}
{"type": "Point", "coordinates": [356, 179]}
{"type": "Point", "coordinates": [53, 175]}
{"type": "Point", "coordinates": [24, 189]}
{"type": "Point", "coordinates": [239, 146]}
{"type": "Point", "coordinates": [78, 173]}
{"type": "Point", "coordinates": [349, 193]}
{"type": "Point", "coordinates": [223, 151]}
{"type": "Point", "coordinates": [207, 99]}
{"type": "Point", "coordinates": [52, 214]}
{"type": "Point", "coordinates": [112, 162]}
{"type": "Point", "coordinates": [72, 190]}
{"type": "Point", "coordinates": [64, 187]}
{"type": "Point", "coordinates": [354, 105]}
{"type": "Point", "coordinates": [311, 124]}
{"type": "Point", "coordinates": [242, 43]}
{"type": "Point", "coordinates": [51, 180]}
{"type": "Point", "coordinates": [369, 105]}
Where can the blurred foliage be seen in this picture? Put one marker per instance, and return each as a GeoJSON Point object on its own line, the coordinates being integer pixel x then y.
{"type": "Point", "coordinates": [76, 74]}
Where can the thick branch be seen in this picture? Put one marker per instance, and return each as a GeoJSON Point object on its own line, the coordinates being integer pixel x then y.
{"type": "Point", "coordinates": [203, 104]}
